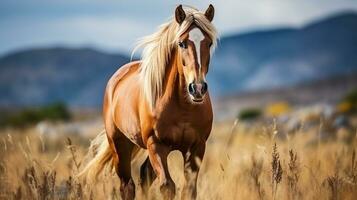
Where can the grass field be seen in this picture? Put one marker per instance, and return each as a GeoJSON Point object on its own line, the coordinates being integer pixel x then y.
{"type": "Point", "coordinates": [244, 160]}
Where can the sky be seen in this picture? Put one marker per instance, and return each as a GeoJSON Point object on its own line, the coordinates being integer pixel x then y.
{"type": "Point", "coordinates": [115, 25]}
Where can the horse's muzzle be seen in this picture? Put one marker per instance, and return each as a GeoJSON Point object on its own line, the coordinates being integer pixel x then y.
{"type": "Point", "coordinates": [197, 91]}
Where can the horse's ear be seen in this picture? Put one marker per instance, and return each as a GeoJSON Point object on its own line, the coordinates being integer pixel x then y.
{"type": "Point", "coordinates": [210, 12]}
{"type": "Point", "coordinates": [180, 14]}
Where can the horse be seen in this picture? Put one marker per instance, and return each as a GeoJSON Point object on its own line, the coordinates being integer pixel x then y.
{"type": "Point", "coordinates": [160, 104]}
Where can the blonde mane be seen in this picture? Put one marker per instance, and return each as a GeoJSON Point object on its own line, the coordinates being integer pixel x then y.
{"type": "Point", "coordinates": [158, 47]}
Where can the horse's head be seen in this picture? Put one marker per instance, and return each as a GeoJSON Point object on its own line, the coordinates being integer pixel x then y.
{"type": "Point", "coordinates": [194, 49]}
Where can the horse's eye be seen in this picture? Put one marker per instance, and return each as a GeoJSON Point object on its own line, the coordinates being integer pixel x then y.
{"type": "Point", "coordinates": [182, 45]}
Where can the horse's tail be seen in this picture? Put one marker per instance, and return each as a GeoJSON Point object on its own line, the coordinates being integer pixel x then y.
{"type": "Point", "coordinates": [103, 156]}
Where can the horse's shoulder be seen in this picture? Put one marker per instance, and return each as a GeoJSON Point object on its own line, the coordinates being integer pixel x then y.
{"type": "Point", "coordinates": [122, 72]}
{"type": "Point", "coordinates": [125, 69]}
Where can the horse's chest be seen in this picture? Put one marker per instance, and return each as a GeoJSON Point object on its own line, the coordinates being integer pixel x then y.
{"type": "Point", "coordinates": [177, 133]}
{"type": "Point", "coordinates": [183, 129]}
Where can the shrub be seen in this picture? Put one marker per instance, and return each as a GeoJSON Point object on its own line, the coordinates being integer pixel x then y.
{"type": "Point", "coordinates": [344, 107]}
{"type": "Point", "coordinates": [249, 113]}
{"type": "Point", "coordinates": [52, 112]}
{"type": "Point", "coordinates": [348, 103]}
{"type": "Point", "coordinates": [352, 96]}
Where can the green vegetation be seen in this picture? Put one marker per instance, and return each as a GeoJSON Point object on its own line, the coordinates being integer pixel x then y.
{"type": "Point", "coordinates": [249, 113]}
{"type": "Point", "coordinates": [352, 96]}
{"type": "Point", "coordinates": [348, 103]}
{"type": "Point", "coordinates": [28, 116]}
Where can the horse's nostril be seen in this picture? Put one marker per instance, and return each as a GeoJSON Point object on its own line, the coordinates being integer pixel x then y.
{"type": "Point", "coordinates": [204, 87]}
{"type": "Point", "coordinates": [191, 88]}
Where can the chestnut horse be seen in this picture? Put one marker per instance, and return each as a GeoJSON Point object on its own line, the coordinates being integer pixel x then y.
{"type": "Point", "coordinates": [160, 104]}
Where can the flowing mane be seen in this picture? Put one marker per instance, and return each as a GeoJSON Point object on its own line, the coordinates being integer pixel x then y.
{"type": "Point", "coordinates": [158, 47]}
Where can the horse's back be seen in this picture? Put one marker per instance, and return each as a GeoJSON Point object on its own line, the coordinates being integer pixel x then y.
{"type": "Point", "coordinates": [121, 100]}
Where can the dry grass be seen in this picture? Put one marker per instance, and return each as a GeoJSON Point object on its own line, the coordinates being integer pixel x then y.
{"type": "Point", "coordinates": [244, 161]}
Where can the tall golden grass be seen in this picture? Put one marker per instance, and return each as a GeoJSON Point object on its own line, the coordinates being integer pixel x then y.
{"type": "Point", "coordinates": [244, 160]}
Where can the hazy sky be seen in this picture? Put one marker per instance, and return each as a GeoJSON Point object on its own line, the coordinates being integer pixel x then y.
{"type": "Point", "coordinates": [115, 25]}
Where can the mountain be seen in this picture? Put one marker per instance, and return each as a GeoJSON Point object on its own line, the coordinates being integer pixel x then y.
{"type": "Point", "coordinates": [42, 76]}
{"type": "Point", "coordinates": [242, 62]}
{"type": "Point", "coordinates": [284, 57]}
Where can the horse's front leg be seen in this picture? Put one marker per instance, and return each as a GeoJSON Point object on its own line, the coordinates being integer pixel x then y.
{"type": "Point", "coordinates": [158, 153]}
{"type": "Point", "coordinates": [193, 159]}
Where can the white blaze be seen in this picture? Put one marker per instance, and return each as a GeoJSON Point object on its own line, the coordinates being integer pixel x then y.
{"type": "Point", "coordinates": [196, 36]}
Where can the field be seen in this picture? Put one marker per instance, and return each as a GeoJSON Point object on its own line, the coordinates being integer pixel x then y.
{"type": "Point", "coordinates": [244, 160]}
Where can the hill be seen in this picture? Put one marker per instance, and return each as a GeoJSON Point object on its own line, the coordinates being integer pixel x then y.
{"type": "Point", "coordinates": [282, 57]}
{"type": "Point", "coordinates": [42, 76]}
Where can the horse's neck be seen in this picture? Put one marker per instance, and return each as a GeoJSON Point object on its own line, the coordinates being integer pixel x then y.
{"type": "Point", "coordinates": [174, 83]}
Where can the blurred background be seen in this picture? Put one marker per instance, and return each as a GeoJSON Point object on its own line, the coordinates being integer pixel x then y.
{"type": "Point", "coordinates": [283, 80]}
{"type": "Point", "coordinates": [273, 56]}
